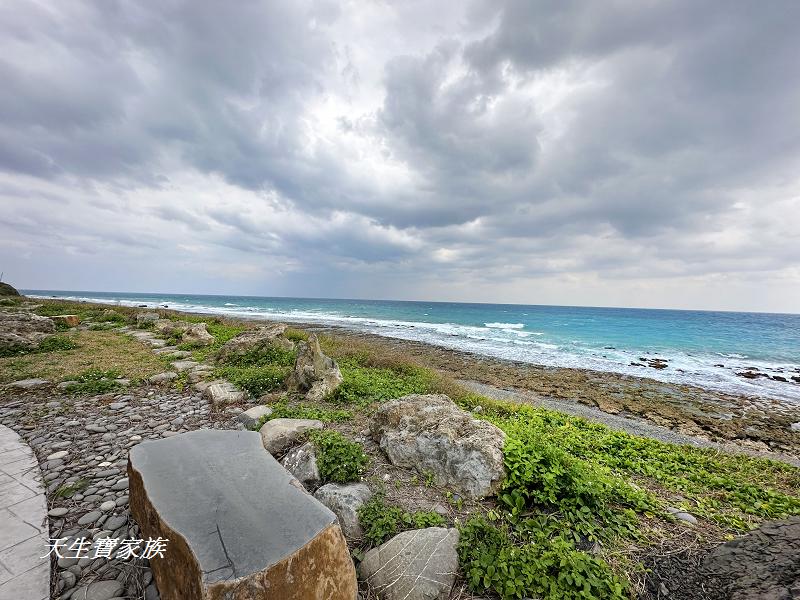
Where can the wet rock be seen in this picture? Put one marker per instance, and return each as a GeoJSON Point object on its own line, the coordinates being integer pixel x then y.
{"type": "Point", "coordinates": [302, 463]}
{"type": "Point", "coordinates": [272, 540]}
{"type": "Point", "coordinates": [314, 373]}
{"type": "Point", "coordinates": [414, 565]}
{"type": "Point", "coordinates": [279, 435]}
{"type": "Point", "coordinates": [431, 434]}
{"type": "Point", "coordinates": [344, 501]}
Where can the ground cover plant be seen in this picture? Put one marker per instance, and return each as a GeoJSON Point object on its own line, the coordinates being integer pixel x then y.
{"type": "Point", "coordinates": [284, 410]}
{"type": "Point", "coordinates": [94, 381]}
{"type": "Point", "coordinates": [258, 371]}
{"type": "Point", "coordinates": [339, 459]}
{"type": "Point", "coordinates": [380, 521]}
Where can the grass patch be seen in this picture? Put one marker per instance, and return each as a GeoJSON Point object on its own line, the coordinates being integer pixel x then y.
{"type": "Point", "coordinates": [94, 381]}
{"type": "Point", "coordinates": [256, 380]}
{"type": "Point", "coordinates": [221, 331]}
{"type": "Point", "coordinates": [339, 460]}
{"type": "Point", "coordinates": [380, 521]}
{"type": "Point", "coordinates": [364, 385]}
{"type": "Point", "coordinates": [100, 350]}
{"type": "Point", "coordinates": [57, 343]}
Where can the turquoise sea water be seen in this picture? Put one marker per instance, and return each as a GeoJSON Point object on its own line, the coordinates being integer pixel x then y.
{"type": "Point", "coordinates": [695, 343]}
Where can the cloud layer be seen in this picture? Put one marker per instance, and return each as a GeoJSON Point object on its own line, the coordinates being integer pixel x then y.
{"type": "Point", "coordinates": [627, 153]}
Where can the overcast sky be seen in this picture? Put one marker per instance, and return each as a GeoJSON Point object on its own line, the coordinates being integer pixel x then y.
{"type": "Point", "coordinates": [599, 153]}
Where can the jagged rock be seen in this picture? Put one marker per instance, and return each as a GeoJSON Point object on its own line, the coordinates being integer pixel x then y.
{"type": "Point", "coordinates": [239, 525]}
{"type": "Point", "coordinates": [23, 331]}
{"type": "Point", "coordinates": [431, 434]}
{"type": "Point", "coordinates": [223, 392]}
{"type": "Point", "coordinates": [198, 335]}
{"type": "Point", "coordinates": [162, 378]}
{"type": "Point", "coordinates": [420, 564]}
{"type": "Point", "coordinates": [251, 416]}
{"type": "Point", "coordinates": [279, 435]}
{"type": "Point", "coordinates": [145, 319]}
{"type": "Point", "coordinates": [302, 463]}
{"type": "Point", "coordinates": [170, 327]}
{"type": "Point", "coordinates": [763, 564]}
{"type": "Point", "coordinates": [344, 501]}
{"type": "Point", "coordinates": [314, 373]}
{"type": "Point", "coordinates": [255, 340]}
{"type": "Point", "coordinates": [68, 320]}
{"type": "Point", "coordinates": [7, 290]}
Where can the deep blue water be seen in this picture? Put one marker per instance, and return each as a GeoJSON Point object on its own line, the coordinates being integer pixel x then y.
{"type": "Point", "coordinates": [605, 339]}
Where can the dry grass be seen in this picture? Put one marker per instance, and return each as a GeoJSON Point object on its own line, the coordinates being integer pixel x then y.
{"type": "Point", "coordinates": [103, 350]}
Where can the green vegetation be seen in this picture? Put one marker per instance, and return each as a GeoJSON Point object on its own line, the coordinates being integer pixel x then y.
{"type": "Point", "coordinates": [94, 381]}
{"type": "Point", "coordinates": [296, 335]}
{"type": "Point", "coordinates": [532, 561]}
{"type": "Point", "coordinates": [256, 380]}
{"type": "Point", "coordinates": [57, 343]}
{"type": "Point", "coordinates": [364, 385]}
{"type": "Point", "coordinates": [221, 331]}
{"type": "Point", "coordinates": [339, 460]}
{"type": "Point", "coordinates": [282, 410]}
{"type": "Point", "coordinates": [69, 489]}
{"type": "Point", "coordinates": [381, 521]}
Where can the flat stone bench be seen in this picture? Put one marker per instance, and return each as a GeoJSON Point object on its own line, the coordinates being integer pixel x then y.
{"type": "Point", "coordinates": [240, 527]}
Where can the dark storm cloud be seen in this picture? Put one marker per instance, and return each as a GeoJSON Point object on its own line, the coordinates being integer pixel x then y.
{"type": "Point", "coordinates": [503, 140]}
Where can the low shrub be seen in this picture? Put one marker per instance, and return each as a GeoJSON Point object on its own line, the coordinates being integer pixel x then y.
{"type": "Point", "coordinates": [296, 335]}
{"type": "Point", "coordinates": [365, 385]}
{"type": "Point", "coordinates": [339, 460]}
{"type": "Point", "coordinates": [541, 563]}
{"type": "Point", "coordinates": [256, 380]}
{"type": "Point", "coordinates": [381, 521]}
{"type": "Point", "coordinates": [57, 343]}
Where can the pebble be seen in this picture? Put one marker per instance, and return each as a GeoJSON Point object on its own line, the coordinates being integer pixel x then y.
{"type": "Point", "coordinates": [107, 506]}
{"type": "Point", "coordinates": [90, 517]}
{"type": "Point", "coordinates": [57, 455]}
{"type": "Point", "coordinates": [57, 512]}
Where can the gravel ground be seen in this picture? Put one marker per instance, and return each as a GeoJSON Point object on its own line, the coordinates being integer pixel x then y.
{"type": "Point", "coordinates": [631, 425]}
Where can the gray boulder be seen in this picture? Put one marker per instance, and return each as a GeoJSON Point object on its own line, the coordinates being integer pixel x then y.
{"type": "Point", "coordinates": [223, 392]}
{"type": "Point", "coordinates": [302, 463]}
{"type": "Point", "coordinates": [23, 331]}
{"type": "Point", "coordinates": [414, 565]}
{"type": "Point", "coordinates": [431, 434]}
{"type": "Point", "coordinates": [314, 373]}
{"type": "Point", "coordinates": [279, 435]}
{"type": "Point", "coordinates": [238, 524]}
{"type": "Point", "coordinates": [255, 340]}
{"type": "Point", "coordinates": [344, 501]}
{"type": "Point", "coordinates": [7, 289]}
{"type": "Point", "coordinates": [161, 378]}
{"type": "Point", "coordinates": [197, 335]}
{"type": "Point", "coordinates": [252, 416]}
{"type": "Point", "coordinates": [170, 327]}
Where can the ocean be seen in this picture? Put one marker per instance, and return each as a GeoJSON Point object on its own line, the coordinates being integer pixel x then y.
{"type": "Point", "coordinates": [702, 348]}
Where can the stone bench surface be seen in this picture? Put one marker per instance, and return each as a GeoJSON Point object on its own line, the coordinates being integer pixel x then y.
{"type": "Point", "coordinates": [237, 510]}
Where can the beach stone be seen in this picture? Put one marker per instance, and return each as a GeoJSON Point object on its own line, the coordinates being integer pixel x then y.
{"type": "Point", "coordinates": [272, 540]}
{"type": "Point", "coordinates": [99, 590]}
{"type": "Point", "coordinates": [250, 417]}
{"type": "Point", "coordinates": [255, 340]}
{"type": "Point", "coordinates": [23, 331]}
{"type": "Point", "coordinates": [420, 564]}
{"type": "Point", "coordinates": [682, 515]}
{"type": "Point", "coordinates": [183, 365]}
{"type": "Point", "coordinates": [314, 373]}
{"type": "Point", "coordinates": [68, 320]}
{"type": "Point", "coordinates": [163, 378]}
{"type": "Point", "coordinates": [198, 335]}
{"type": "Point", "coordinates": [90, 517]}
{"type": "Point", "coordinates": [302, 463]}
{"type": "Point", "coordinates": [344, 501]}
{"type": "Point", "coordinates": [223, 392]}
{"type": "Point", "coordinates": [279, 435]}
{"type": "Point", "coordinates": [26, 384]}
{"type": "Point", "coordinates": [57, 512]}
{"type": "Point", "coordinates": [431, 434]}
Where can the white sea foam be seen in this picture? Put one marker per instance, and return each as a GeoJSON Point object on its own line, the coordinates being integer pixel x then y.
{"type": "Point", "coordinates": [505, 325]}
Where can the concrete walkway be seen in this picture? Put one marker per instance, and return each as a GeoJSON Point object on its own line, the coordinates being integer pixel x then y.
{"type": "Point", "coordinates": [24, 534]}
